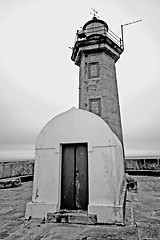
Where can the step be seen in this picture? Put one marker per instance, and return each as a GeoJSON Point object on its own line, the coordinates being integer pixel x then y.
{"type": "Point", "coordinates": [74, 217]}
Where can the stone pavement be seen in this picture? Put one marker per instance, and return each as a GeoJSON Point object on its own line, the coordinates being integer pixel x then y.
{"type": "Point", "coordinates": [142, 217]}
{"type": "Point", "coordinates": [12, 207]}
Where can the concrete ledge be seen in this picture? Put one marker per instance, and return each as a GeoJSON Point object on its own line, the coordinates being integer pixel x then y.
{"type": "Point", "coordinates": [143, 164]}
{"type": "Point", "coordinates": [27, 178]}
{"type": "Point", "coordinates": [39, 210]}
{"type": "Point", "coordinates": [74, 218]}
{"type": "Point", "coordinates": [155, 173]}
{"type": "Point", "coordinates": [10, 182]}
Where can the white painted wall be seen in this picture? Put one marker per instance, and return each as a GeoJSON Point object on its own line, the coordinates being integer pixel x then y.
{"type": "Point", "coordinates": [105, 161]}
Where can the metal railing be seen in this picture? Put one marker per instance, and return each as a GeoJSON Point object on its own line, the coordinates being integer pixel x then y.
{"type": "Point", "coordinates": [100, 30]}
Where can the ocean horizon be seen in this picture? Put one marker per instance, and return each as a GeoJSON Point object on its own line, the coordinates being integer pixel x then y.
{"type": "Point", "coordinates": [30, 155]}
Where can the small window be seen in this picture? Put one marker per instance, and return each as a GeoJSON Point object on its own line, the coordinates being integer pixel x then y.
{"type": "Point", "coordinates": [95, 106]}
{"type": "Point", "coordinates": [93, 70]}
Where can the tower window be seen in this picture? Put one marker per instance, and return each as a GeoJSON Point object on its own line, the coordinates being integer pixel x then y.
{"type": "Point", "coordinates": [93, 70]}
{"type": "Point", "coordinates": [95, 106]}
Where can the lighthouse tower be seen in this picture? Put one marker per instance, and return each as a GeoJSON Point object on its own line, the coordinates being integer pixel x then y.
{"type": "Point", "coordinates": [96, 50]}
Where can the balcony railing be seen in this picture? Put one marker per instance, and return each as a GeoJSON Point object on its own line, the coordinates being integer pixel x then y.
{"type": "Point", "coordinates": [99, 30]}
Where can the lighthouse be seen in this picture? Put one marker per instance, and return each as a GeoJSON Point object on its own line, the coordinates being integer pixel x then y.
{"type": "Point", "coordinates": [96, 51]}
{"type": "Point", "coordinates": [79, 162]}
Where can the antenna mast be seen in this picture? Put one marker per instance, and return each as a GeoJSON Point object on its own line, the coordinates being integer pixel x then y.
{"type": "Point", "coordinates": [126, 24]}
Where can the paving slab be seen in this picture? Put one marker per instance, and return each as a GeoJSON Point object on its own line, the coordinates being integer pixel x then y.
{"type": "Point", "coordinates": [12, 207]}
{"type": "Point", "coordinates": [142, 217]}
{"type": "Point", "coordinates": [49, 231]}
{"type": "Point", "coordinates": [147, 207]}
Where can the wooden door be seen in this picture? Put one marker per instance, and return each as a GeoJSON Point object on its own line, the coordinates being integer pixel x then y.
{"type": "Point", "coordinates": [74, 177]}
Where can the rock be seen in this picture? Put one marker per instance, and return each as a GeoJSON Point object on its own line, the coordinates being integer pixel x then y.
{"type": "Point", "coordinates": [10, 182]}
{"type": "Point", "coordinates": [131, 182]}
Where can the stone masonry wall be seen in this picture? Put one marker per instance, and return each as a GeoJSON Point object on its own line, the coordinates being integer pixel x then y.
{"type": "Point", "coordinates": [149, 164]}
{"type": "Point", "coordinates": [26, 167]}
{"type": "Point", "coordinates": [103, 87]}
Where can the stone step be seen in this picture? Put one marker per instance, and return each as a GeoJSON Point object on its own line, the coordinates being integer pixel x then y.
{"type": "Point", "coordinates": [72, 217]}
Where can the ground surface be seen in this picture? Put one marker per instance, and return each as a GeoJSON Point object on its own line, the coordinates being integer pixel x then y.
{"type": "Point", "coordinates": [142, 217]}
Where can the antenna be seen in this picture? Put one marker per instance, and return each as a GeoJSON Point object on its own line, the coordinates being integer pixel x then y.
{"type": "Point", "coordinates": [132, 22]}
{"type": "Point", "coordinates": [94, 12]}
{"type": "Point", "coordinates": [126, 24]}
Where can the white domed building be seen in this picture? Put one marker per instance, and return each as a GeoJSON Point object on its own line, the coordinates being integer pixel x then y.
{"type": "Point", "coordinates": [78, 166]}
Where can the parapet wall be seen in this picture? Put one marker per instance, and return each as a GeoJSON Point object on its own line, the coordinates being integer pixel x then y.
{"type": "Point", "coordinates": [26, 167]}
{"type": "Point", "coordinates": [143, 164]}
{"type": "Point", "coordinates": [16, 168]}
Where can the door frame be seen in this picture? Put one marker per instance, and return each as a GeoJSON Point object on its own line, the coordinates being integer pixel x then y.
{"type": "Point", "coordinates": [61, 162]}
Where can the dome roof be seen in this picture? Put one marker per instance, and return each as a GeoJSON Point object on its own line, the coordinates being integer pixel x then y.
{"type": "Point", "coordinates": [75, 126]}
{"type": "Point", "coordinates": [95, 27]}
{"type": "Point", "coordinates": [95, 20]}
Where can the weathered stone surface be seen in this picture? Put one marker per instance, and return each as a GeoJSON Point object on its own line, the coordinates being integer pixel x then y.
{"type": "Point", "coordinates": [103, 87]}
{"type": "Point", "coordinates": [10, 182]}
{"type": "Point", "coordinates": [16, 168]}
{"type": "Point", "coordinates": [1, 170]}
{"type": "Point", "coordinates": [83, 219]}
{"type": "Point", "coordinates": [12, 207]}
{"type": "Point", "coordinates": [7, 170]}
{"type": "Point", "coordinates": [76, 218]}
{"type": "Point", "coordinates": [143, 163]}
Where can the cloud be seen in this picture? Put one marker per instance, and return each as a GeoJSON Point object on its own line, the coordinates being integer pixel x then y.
{"type": "Point", "coordinates": [39, 81]}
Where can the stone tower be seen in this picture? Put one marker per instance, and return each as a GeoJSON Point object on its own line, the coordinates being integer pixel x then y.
{"type": "Point", "coordinates": [96, 50]}
{"type": "Point", "coordinates": [77, 155]}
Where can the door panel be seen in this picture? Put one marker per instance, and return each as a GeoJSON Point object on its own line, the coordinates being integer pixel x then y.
{"type": "Point", "coordinates": [74, 180]}
{"type": "Point", "coordinates": [67, 178]}
{"type": "Point", "coordinates": [81, 177]}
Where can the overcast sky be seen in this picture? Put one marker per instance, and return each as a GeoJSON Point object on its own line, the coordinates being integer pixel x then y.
{"type": "Point", "coordinates": [38, 80]}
